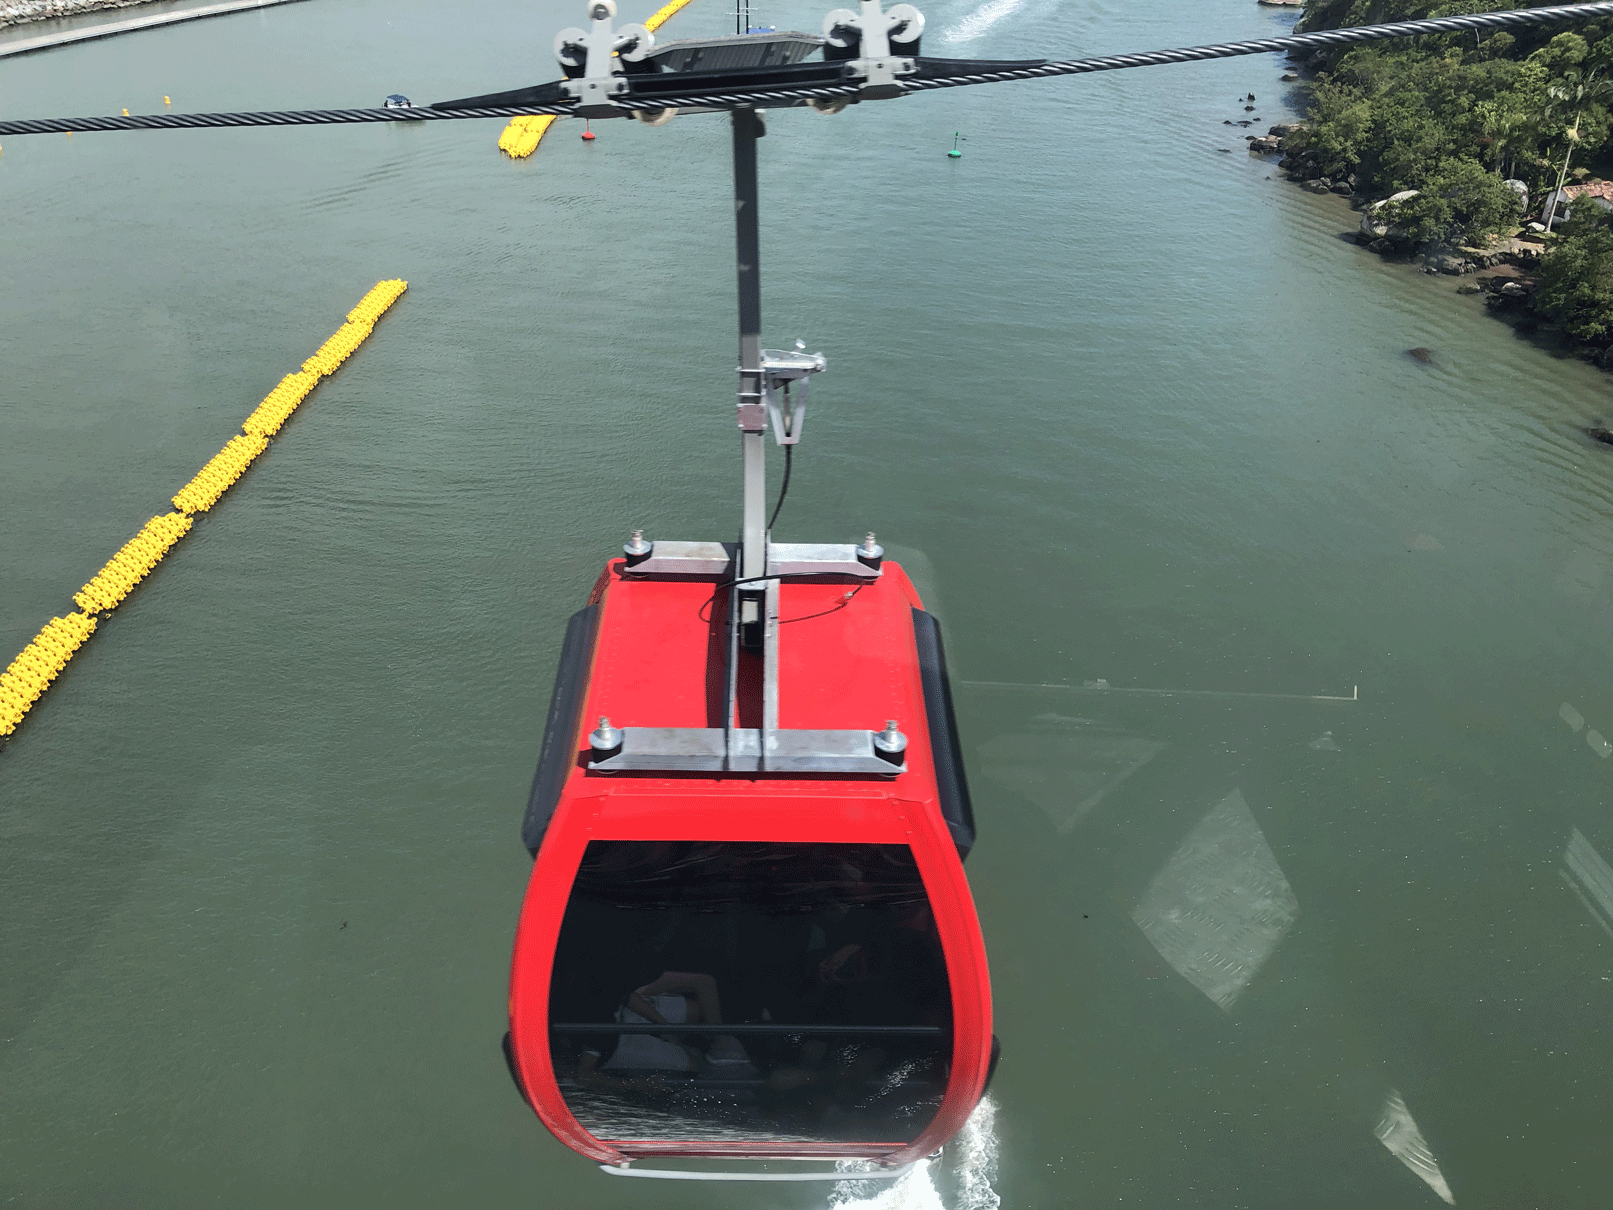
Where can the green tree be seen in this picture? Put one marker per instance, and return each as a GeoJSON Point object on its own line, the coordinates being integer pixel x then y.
{"type": "Point", "coordinates": [1341, 121]}
{"type": "Point", "coordinates": [1576, 278]}
{"type": "Point", "coordinates": [1462, 202]}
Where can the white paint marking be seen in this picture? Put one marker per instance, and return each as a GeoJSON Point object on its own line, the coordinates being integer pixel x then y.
{"type": "Point", "coordinates": [1104, 687]}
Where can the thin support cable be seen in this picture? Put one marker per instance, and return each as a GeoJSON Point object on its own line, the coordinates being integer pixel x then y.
{"type": "Point", "coordinates": [730, 99]}
{"type": "Point", "coordinates": [1320, 40]}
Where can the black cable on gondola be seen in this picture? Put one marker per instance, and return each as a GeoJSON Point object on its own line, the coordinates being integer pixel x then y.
{"type": "Point", "coordinates": [783, 487]}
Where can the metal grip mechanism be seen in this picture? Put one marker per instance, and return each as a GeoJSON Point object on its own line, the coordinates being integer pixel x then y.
{"type": "Point", "coordinates": [781, 370]}
{"type": "Point", "coordinates": [878, 46]}
{"type": "Point", "coordinates": [593, 59]}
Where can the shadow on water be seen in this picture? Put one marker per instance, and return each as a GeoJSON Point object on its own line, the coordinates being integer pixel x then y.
{"type": "Point", "coordinates": [66, 868]}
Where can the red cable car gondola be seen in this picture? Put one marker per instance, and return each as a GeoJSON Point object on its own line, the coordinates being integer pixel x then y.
{"type": "Point", "coordinates": [747, 933]}
{"type": "Point", "coordinates": [809, 904]}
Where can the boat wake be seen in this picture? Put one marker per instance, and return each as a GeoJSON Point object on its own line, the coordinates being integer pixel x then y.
{"type": "Point", "coordinates": [960, 1180]}
{"type": "Point", "coordinates": [982, 19]}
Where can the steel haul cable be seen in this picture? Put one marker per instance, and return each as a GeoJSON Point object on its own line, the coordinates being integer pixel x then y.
{"type": "Point", "coordinates": [1321, 40]}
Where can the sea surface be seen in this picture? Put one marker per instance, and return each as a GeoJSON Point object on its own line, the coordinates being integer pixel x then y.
{"type": "Point", "coordinates": [1283, 661]}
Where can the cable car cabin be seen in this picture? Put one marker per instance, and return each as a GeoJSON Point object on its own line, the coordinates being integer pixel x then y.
{"type": "Point", "coordinates": [747, 931]}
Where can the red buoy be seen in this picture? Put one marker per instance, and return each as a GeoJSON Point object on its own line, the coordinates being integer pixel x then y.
{"type": "Point", "coordinates": [587, 132]}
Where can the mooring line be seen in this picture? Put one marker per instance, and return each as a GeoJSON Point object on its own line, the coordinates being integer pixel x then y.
{"type": "Point", "coordinates": [522, 136]}
{"type": "Point", "coordinates": [39, 663]}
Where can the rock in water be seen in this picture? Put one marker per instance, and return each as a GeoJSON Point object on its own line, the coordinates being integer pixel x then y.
{"type": "Point", "coordinates": [1426, 356]}
{"type": "Point", "coordinates": [1375, 225]}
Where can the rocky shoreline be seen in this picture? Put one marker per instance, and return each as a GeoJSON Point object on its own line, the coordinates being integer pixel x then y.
{"type": "Point", "coordinates": [21, 12]}
{"type": "Point", "coordinates": [1511, 264]}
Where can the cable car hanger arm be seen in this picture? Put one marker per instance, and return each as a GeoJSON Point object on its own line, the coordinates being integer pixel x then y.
{"type": "Point", "coordinates": [921, 80]}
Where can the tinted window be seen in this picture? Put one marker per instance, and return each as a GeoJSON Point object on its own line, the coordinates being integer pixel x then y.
{"type": "Point", "coordinates": [807, 979]}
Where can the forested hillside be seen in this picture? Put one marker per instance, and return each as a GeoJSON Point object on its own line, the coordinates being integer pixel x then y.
{"type": "Point", "coordinates": [1454, 116]}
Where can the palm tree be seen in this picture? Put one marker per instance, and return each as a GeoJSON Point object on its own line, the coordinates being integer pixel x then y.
{"type": "Point", "coordinates": [1576, 90]}
{"type": "Point", "coordinates": [1504, 129]}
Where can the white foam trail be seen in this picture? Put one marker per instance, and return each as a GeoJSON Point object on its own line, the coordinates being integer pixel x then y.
{"type": "Point", "coordinates": [975, 1155]}
{"type": "Point", "coordinates": [970, 1160]}
{"type": "Point", "coordinates": [912, 1191]}
{"type": "Point", "coordinates": [982, 19]}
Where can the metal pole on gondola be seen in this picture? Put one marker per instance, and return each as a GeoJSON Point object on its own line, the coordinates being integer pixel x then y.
{"type": "Point", "coordinates": [751, 410]}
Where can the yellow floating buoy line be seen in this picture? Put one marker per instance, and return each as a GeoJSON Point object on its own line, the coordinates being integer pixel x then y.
{"type": "Point", "coordinates": [30, 674]}
{"type": "Point", "coordinates": [132, 563]}
{"type": "Point", "coordinates": [522, 136]}
{"type": "Point", "coordinates": [665, 13]}
{"type": "Point", "coordinates": [219, 475]}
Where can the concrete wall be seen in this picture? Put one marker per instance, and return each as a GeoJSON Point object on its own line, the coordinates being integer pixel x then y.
{"type": "Point", "coordinates": [18, 12]}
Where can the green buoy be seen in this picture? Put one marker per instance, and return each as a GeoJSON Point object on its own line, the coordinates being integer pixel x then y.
{"type": "Point", "coordinates": [954, 154]}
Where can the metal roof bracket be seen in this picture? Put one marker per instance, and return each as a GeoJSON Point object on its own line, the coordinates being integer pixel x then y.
{"type": "Point", "coordinates": [746, 750]}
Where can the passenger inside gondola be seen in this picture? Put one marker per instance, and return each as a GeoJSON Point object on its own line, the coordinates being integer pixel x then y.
{"type": "Point", "coordinates": [821, 962]}
{"type": "Point", "coordinates": [676, 998]}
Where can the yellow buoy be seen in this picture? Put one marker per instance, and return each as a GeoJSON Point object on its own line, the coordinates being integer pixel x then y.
{"type": "Point", "coordinates": [665, 13]}
{"type": "Point", "coordinates": [125, 111]}
{"type": "Point", "coordinates": [166, 101]}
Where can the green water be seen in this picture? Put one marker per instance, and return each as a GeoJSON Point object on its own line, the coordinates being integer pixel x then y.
{"type": "Point", "coordinates": [1143, 417]}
